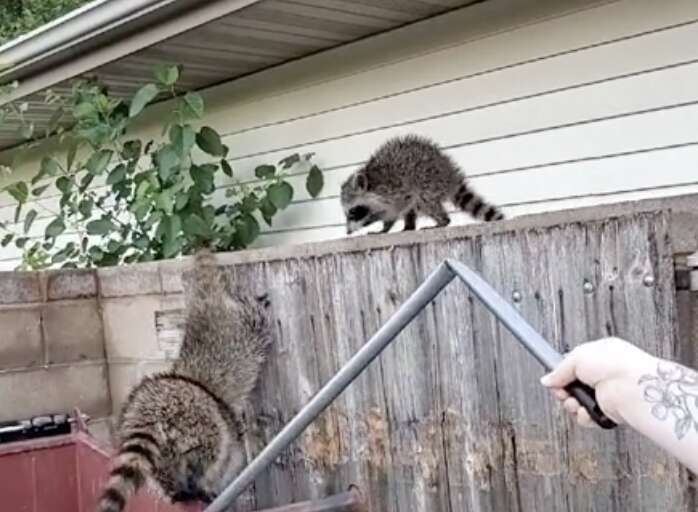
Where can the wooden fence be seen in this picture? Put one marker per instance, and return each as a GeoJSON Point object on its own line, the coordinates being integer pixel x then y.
{"type": "Point", "coordinates": [452, 417]}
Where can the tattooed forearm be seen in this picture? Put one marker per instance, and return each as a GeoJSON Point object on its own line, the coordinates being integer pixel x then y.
{"type": "Point", "coordinates": [673, 391]}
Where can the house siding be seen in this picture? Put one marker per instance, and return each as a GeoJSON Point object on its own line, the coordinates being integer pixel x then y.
{"type": "Point", "coordinates": [546, 105]}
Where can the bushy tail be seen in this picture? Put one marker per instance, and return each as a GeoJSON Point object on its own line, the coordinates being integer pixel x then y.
{"type": "Point", "coordinates": [471, 202]}
{"type": "Point", "coordinates": [137, 457]}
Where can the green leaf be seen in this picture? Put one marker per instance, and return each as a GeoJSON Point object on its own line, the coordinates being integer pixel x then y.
{"type": "Point", "coordinates": [29, 219]}
{"type": "Point", "coordinates": [19, 191]}
{"type": "Point", "coordinates": [113, 246]}
{"type": "Point", "coordinates": [21, 242]}
{"type": "Point", "coordinates": [167, 75]}
{"type": "Point", "coordinates": [84, 110]}
{"type": "Point", "coordinates": [247, 230]}
{"type": "Point", "coordinates": [265, 172]}
{"type": "Point", "coordinates": [117, 175]}
{"type": "Point", "coordinates": [181, 201]}
{"type": "Point", "coordinates": [249, 203]}
{"type": "Point", "coordinates": [39, 190]}
{"type": "Point", "coordinates": [315, 181]}
{"type": "Point", "coordinates": [210, 142]}
{"type": "Point", "coordinates": [167, 160]}
{"type": "Point", "coordinates": [18, 212]}
{"type": "Point", "coordinates": [131, 150]}
{"type": "Point", "coordinates": [59, 257]}
{"type": "Point", "coordinates": [203, 178]}
{"type": "Point", "coordinates": [85, 208]}
{"type": "Point", "coordinates": [99, 161]}
{"type": "Point", "coordinates": [145, 95]}
{"type": "Point", "coordinates": [72, 153]}
{"type": "Point", "coordinates": [165, 201]}
{"type": "Point", "coordinates": [280, 194]}
{"type": "Point", "coordinates": [86, 181]}
{"type": "Point", "coordinates": [141, 242]}
{"type": "Point", "coordinates": [96, 135]}
{"type": "Point", "coordinates": [96, 253]}
{"type": "Point", "coordinates": [195, 103]}
{"type": "Point", "coordinates": [49, 167]}
{"type": "Point", "coordinates": [290, 161]}
{"type": "Point", "coordinates": [226, 168]}
{"type": "Point", "coordinates": [100, 227]}
{"type": "Point", "coordinates": [171, 244]}
{"type": "Point", "coordinates": [196, 226]}
{"type": "Point", "coordinates": [55, 228]}
{"type": "Point", "coordinates": [64, 184]}
{"type": "Point", "coordinates": [182, 138]}
{"type": "Point", "coordinates": [7, 239]}
{"type": "Point", "coordinates": [268, 210]}
{"type": "Point", "coordinates": [142, 189]}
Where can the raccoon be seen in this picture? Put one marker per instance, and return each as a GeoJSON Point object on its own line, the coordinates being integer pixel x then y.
{"type": "Point", "coordinates": [405, 177]}
{"type": "Point", "coordinates": [180, 429]}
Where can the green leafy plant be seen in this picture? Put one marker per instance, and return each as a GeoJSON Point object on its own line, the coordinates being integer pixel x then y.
{"type": "Point", "coordinates": [20, 16]}
{"type": "Point", "coordinates": [122, 199]}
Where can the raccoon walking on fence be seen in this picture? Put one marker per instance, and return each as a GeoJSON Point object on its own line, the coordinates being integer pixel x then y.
{"type": "Point", "coordinates": [405, 177]}
{"type": "Point", "coordinates": [180, 428]}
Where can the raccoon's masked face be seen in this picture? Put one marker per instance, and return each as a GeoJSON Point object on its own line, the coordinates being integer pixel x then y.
{"type": "Point", "coordinates": [361, 207]}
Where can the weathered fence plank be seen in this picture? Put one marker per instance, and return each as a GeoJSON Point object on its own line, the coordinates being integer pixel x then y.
{"type": "Point", "coordinates": [452, 416]}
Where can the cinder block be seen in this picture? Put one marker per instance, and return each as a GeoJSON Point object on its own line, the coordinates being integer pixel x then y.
{"type": "Point", "coordinates": [131, 280]}
{"type": "Point", "coordinates": [71, 284]}
{"type": "Point", "coordinates": [20, 336]}
{"type": "Point", "coordinates": [20, 287]}
{"type": "Point", "coordinates": [129, 326]}
{"type": "Point", "coordinates": [73, 331]}
{"type": "Point", "coordinates": [55, 389]}
{"type": "Point", "coordinates": [171, 275]}
{"type": "Point", "coordinates": [123, 376]}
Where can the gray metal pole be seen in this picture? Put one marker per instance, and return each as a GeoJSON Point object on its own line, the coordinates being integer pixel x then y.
{"type": "Point", "coordinates": [426, 292]}
{"type": "Point", "coordinates": [529, 337]}
{"type": "Point", "coordinates": [510, 317]}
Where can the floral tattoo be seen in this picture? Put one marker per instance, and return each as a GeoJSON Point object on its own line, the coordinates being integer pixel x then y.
{"type": "Point", "coordinates": [674, 393]}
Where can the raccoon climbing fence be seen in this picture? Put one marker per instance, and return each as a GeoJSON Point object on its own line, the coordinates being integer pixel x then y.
{"type": "Point", "coordinates": [420, 299]}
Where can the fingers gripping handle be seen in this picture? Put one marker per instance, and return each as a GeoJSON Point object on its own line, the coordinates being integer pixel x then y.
{"type": "Point", "coordinates": [586, 396]}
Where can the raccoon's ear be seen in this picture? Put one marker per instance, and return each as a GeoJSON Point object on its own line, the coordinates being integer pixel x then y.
{"type": "Point", "coordinates": [361, 181]}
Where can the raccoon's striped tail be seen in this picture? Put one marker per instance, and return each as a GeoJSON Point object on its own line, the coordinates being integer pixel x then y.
{"type": "Point", "coordinates": [471, 202]}
{"type": "Point", "coordinates": [136, 458]}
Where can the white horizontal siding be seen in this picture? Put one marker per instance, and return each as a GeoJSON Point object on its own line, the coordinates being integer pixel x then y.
{"type": "Point", "coordinates": [594, 105]}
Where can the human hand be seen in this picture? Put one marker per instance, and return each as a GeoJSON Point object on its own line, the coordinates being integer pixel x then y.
{"type": "Point", "coordinates": [609, 365]}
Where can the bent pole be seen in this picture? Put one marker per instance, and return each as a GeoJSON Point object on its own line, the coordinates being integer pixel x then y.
{"type": "Point", "coordinates": [426, 292]}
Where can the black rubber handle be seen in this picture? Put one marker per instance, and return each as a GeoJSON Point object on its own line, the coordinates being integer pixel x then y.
{"type": "Point", "coordinates": [586, 396]}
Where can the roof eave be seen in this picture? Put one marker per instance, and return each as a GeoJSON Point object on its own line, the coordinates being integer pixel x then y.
{"type": "Point", "coordinates": [98, 33]}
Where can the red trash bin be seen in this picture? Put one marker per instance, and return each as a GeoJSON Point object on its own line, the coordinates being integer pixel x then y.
{"type": "Point", "coordinates": [63, 473]}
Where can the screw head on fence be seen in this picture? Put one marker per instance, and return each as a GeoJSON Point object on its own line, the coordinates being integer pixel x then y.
{"type": "Point", "coordinates": [516, 296]}
{"type": "Point", "coordinates": [588, 287]}
{"type": "Point", "coordinates": [648, 280]}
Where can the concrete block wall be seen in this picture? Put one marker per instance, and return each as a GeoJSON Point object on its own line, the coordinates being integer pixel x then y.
{"type": "Point", "coordinates": [52, 355]}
